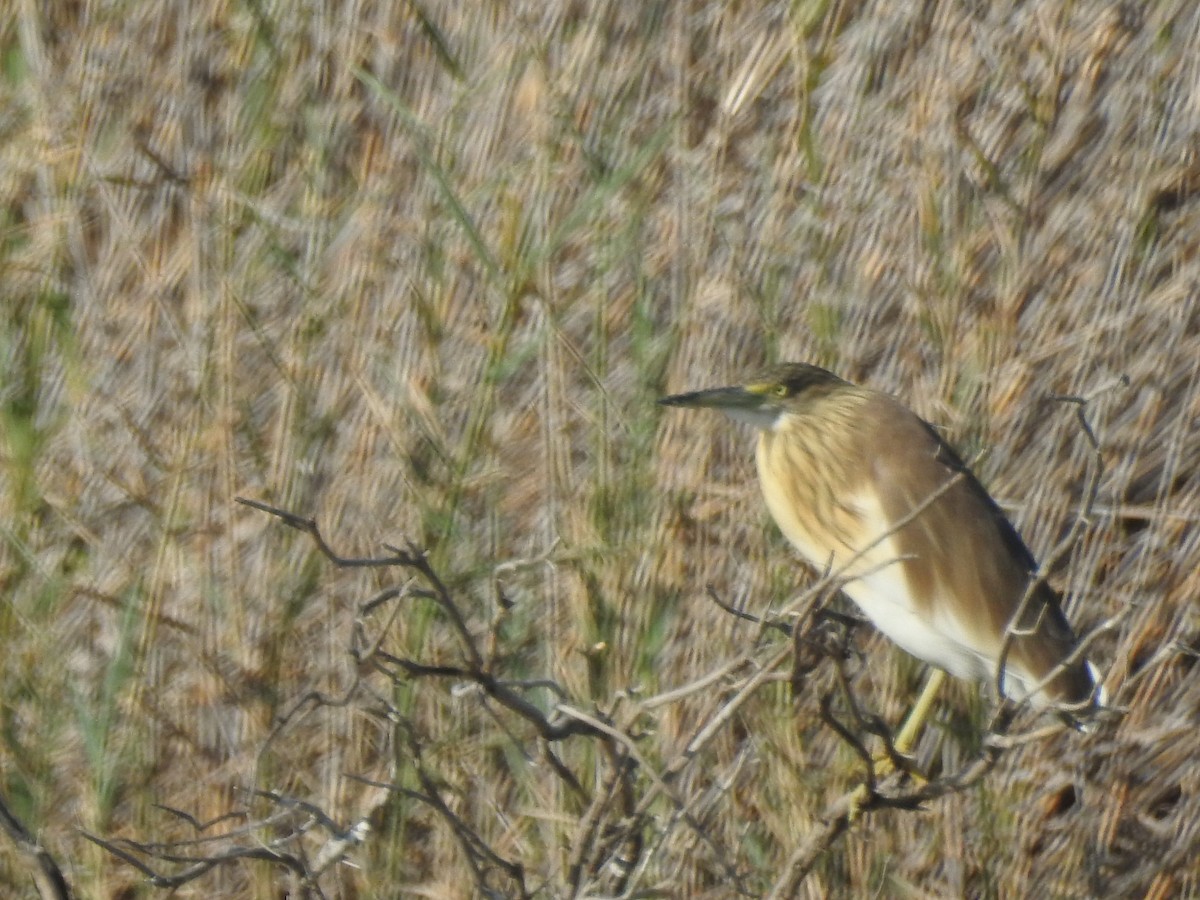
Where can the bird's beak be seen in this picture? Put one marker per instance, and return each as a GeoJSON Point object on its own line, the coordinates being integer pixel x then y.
{"type": "Point", "coordinates": [738, 403]}
{"type": "Point", "coordinates": [726, 398]}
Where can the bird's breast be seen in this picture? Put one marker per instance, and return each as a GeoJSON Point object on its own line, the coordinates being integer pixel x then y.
{"type": "Point", "coordinates": [838, 525]}
{"type": "Point", "coordinates": [811, 492]}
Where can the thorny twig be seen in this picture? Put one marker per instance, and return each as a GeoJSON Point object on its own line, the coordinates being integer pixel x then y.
{"type": "Point", "coordinates": [194, 858]}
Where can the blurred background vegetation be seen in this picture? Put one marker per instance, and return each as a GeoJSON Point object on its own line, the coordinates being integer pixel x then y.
{"type": "Point", "coordinates": [420, 270]}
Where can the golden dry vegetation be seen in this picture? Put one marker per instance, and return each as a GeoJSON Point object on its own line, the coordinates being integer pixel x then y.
{"type": "Point", "coordinates": [420, 270]}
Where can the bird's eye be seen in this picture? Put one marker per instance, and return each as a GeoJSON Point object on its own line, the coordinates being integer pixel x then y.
{"type": "Point", "coordinates": [780, 390]}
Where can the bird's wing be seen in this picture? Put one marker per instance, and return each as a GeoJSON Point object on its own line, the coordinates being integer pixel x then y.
{"type": "Point", "coordinates": [963, 558]}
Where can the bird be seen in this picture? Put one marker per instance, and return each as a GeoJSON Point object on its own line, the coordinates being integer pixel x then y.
{"type": "Point", "coordinates": [864, 488]}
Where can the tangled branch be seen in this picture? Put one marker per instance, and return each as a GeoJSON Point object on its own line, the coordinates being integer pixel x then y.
{"type": "Point", "coordinates": [621, 821]}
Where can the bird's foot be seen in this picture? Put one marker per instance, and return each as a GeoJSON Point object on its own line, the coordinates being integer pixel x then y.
{"type": "Point", "coordinates": [859, 799]}
{"type": "Point", "coordinates": [885, 764]}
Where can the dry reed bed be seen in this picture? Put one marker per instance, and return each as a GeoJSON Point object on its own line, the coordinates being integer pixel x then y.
{"type": "Point", "coordinates": [420, 271]}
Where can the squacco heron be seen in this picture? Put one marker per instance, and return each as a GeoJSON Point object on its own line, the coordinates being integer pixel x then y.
{"type": "Point", "coordinates": [863, 487]}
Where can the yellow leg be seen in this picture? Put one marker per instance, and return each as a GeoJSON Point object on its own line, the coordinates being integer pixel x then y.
{"type": "Point", "coordinates": [906, 737]}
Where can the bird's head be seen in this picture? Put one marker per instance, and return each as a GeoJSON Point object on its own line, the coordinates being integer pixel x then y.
{"type": "Point", "coordinates": [759, 401]}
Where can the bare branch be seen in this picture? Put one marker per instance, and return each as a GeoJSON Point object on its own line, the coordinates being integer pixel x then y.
{"type": "Point", "coordinates": [1079, 523]}
{"type": "Point", "coordinates": [45, 871]}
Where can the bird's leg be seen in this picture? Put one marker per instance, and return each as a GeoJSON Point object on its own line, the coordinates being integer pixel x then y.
{"type": "Point", "coordinates": [902, 743]}
{"type": "Point", "coordinates": [906, 738]}
{"type": "Point", "coordinates": [908, 735]}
